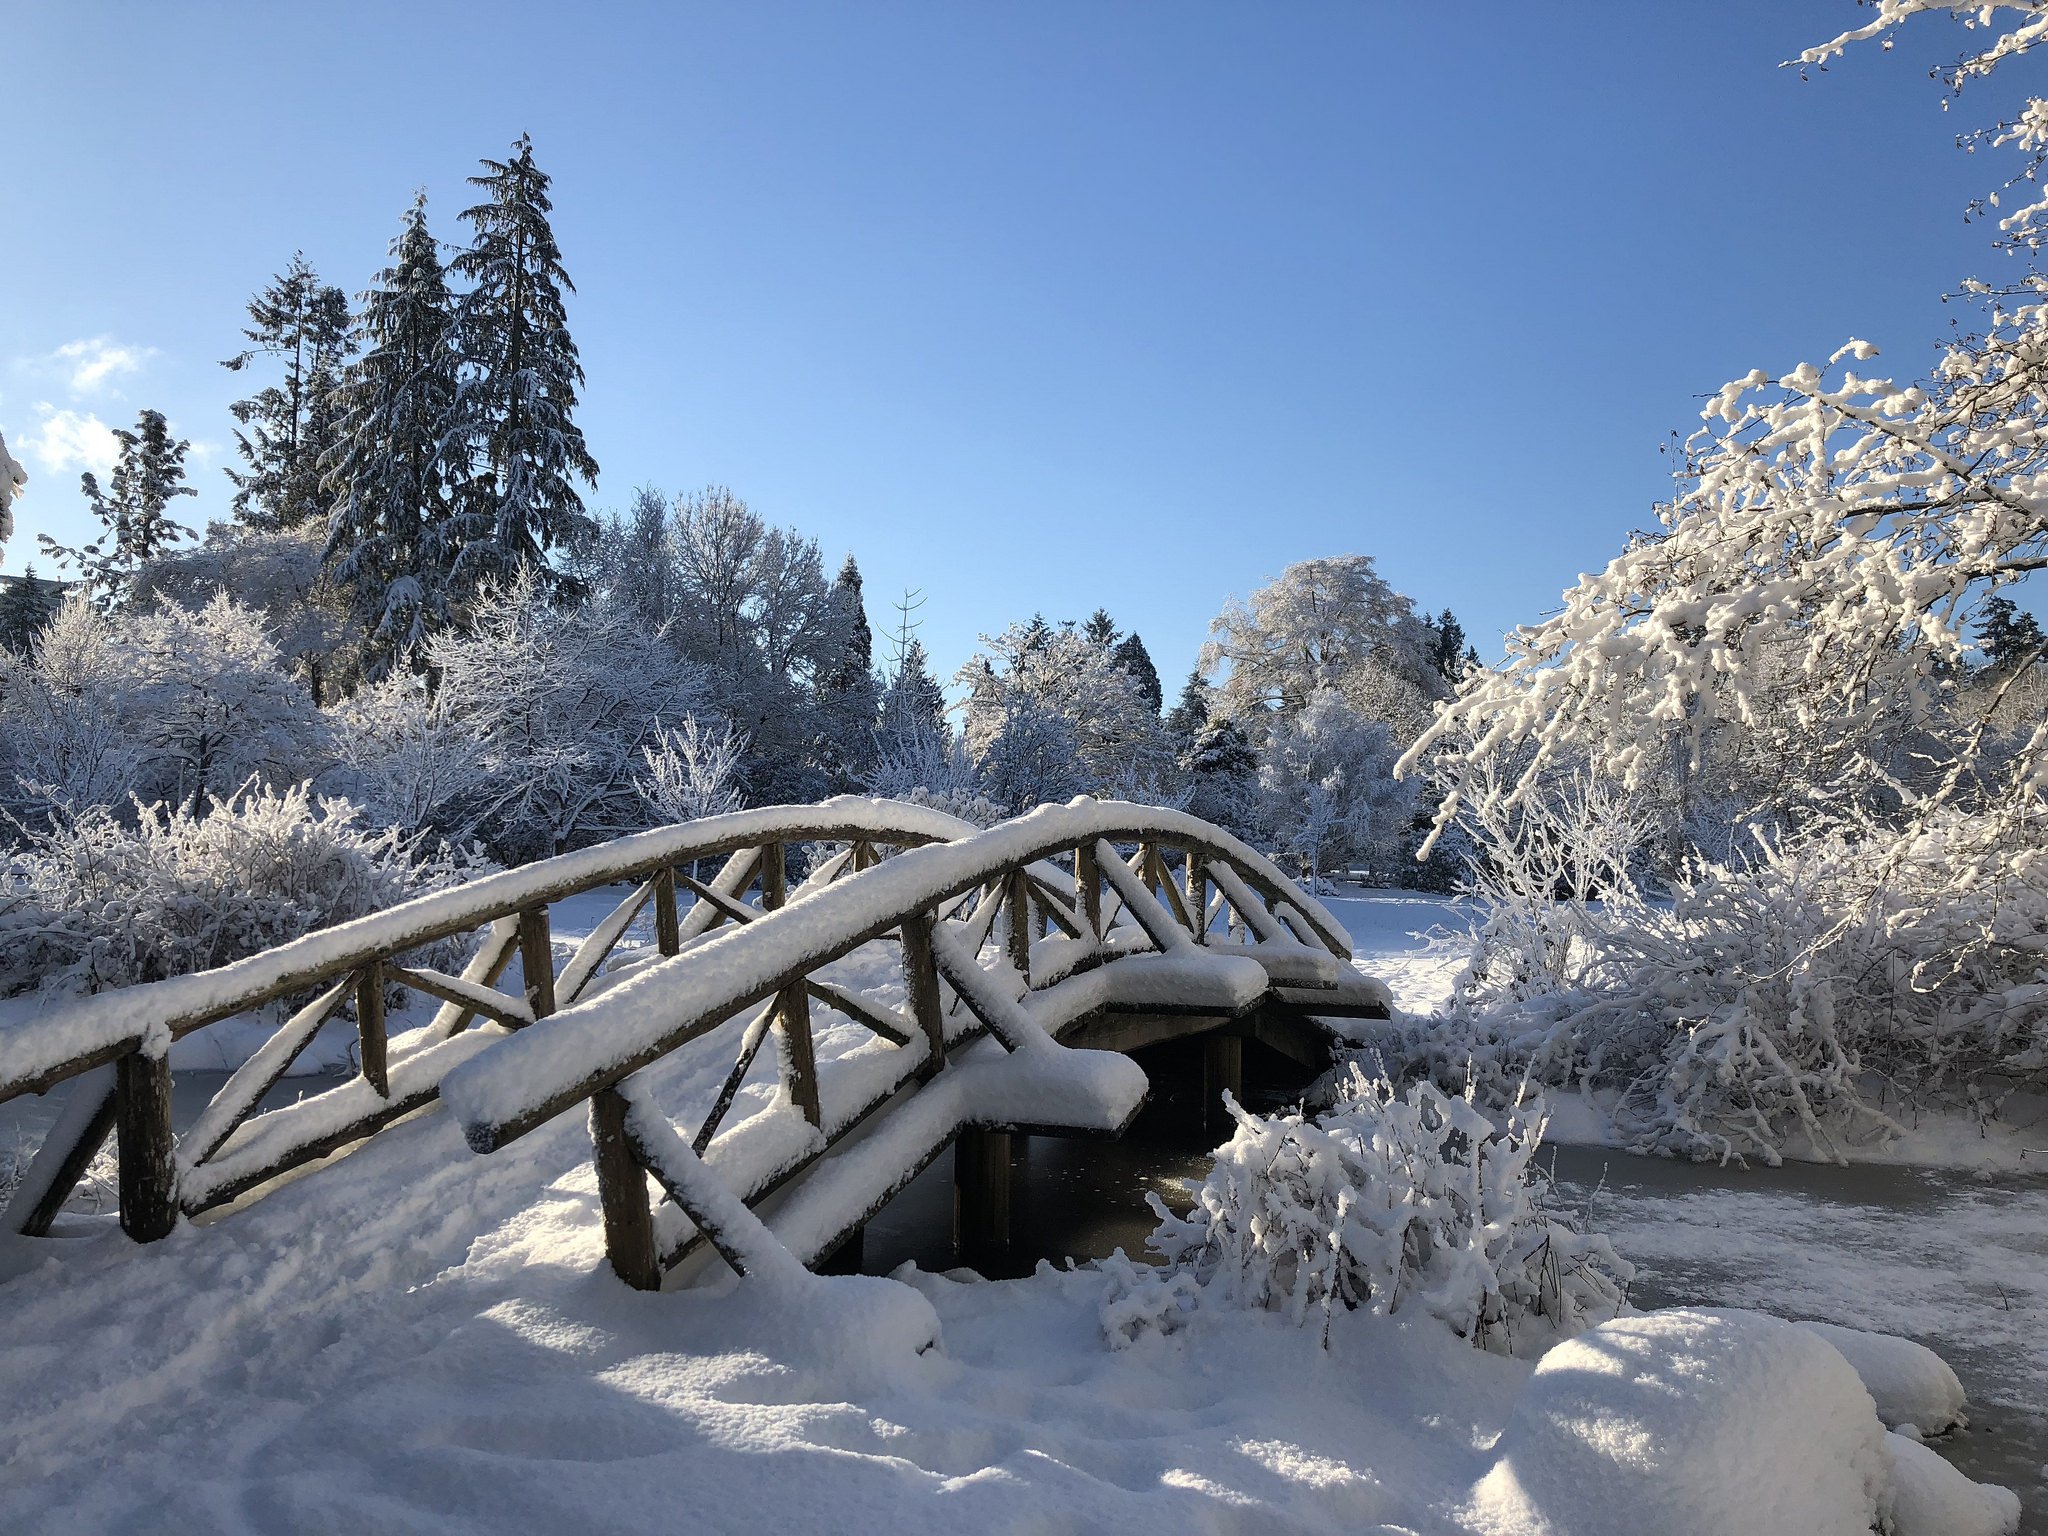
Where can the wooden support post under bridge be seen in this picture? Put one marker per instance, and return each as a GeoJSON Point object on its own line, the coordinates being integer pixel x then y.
{"type": "Point", "coordinates": [981, 1193]}
{"type": "Point", "coordinates": [1222, 1072]}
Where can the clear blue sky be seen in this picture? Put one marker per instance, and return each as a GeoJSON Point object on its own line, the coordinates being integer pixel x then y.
{"type": "Point", "coordinates": [1035, 306]}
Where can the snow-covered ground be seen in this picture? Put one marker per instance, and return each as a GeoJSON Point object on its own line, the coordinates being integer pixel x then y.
{"type": "Point", "coordinates": [420, 1339]}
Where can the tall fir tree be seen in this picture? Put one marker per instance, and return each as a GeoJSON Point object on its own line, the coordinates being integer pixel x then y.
{"type": "Point", "coordinates": [26, 603]}
{"type": "Point", "coordinates": [1101, 629]}
{"type": "Point", "coordinates": [149, 474]}
{"type": "Point", "coordinates": [517, 400]}
{"type": "Point", "coordinates": [1191, 714]}
{"type": "Point", "coordinates": [1130, 654]}
{"type": "Point", "coordinates": [292, 425]}
{"type": "Point", "coordinates": [1449, 650]}
{"type": "Point", "coordinates": [914, 704]}
{"type": "Point", "coordinates": [392, 535]}
{"type": "Point", "coordinates": [848, 699]}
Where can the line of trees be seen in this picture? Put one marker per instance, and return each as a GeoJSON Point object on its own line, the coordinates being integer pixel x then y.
{"type": "Point", "coordinates": [412, 606]}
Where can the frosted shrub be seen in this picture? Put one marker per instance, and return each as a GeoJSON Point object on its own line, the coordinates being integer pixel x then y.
{"type": "Point", "coordinates": [1789, 1004]}
{"type": "Point", "coordinates": [1394, 1200]}
{"type": "Point", "coordinates": [99, 903]}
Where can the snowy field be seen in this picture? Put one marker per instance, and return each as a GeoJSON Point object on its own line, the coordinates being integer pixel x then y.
{"type": "Point", "coordinates": [418, 1339]}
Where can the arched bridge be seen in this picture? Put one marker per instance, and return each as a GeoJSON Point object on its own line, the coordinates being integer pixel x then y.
{"type": "Point", "coordinates": [994, 976]}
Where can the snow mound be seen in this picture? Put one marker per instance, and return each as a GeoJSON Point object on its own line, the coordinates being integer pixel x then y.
{"type": "Point", "coordinates": [1910, 1383]}
{"type": "Point", "coordinates": [1689, 1423]}
{"type": "Point", "coordinates": [1931, 1498]}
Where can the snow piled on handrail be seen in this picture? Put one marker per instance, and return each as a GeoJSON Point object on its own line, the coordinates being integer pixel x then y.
{"type": "Point", "coordinates": [638, 1020]}
{"type": "Point", "coordinates": [45, 1042]}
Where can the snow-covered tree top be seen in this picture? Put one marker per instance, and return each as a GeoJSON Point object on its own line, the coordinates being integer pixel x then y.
{"type": "Point", "coordinates": [1857, 516]}
{"type": "Point", "coordinates": [13, 481]}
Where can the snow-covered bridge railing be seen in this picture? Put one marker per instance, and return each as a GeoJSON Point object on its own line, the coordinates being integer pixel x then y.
{"type": "Point", "coordinates": [118, 1042]}
{"type": "Point", "coordinates": [1120, 925]}
{"type": "Point", "coordinates": [1088, 934]}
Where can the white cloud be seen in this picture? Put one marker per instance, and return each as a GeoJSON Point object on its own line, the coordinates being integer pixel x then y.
{"type": "Point", "coordinates": [69, 441]}
{"type": "Point", "coordinates": [89, 364]}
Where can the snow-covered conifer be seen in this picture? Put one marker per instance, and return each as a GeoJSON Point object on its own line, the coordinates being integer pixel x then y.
{"type": "Point", "coordinates": [520, 447]}
{"type": "Point", "coordinates": [1190, 713]}
{"type": "Point", "coordinates": [149, 473]}
{"type": "Point", "coordinates": [391, 538]}
{"type": "Point", "coordinates": [1130, 654]}
{"type": "Point", "coordinates": [849, 701]}
{"type": "Point", "coordinates": [302, 324]}
{"type": "Point", "coordinates": [27, 603]}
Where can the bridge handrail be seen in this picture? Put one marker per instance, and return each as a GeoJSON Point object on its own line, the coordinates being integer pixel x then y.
{"type": "Point", "coordinates": [591, 1046]}
{"type": "Point", "coordinates": [38, 1052]}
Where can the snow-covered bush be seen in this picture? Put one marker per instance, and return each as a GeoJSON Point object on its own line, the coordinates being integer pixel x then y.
{"type": "Point", "coordinates": [692, 770]}
{"type": "Point", "coordinates": [1783, 1005]}
{"type": "Point", "coordinates": [1393, 1199]}
{"type": "Point", "coordinates": [173, 704]}
{"type": "Point", "coordinates": [98, 902]}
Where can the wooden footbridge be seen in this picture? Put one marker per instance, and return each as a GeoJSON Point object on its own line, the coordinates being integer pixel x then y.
{"type": "Point", "coordinates": [1023, 958]}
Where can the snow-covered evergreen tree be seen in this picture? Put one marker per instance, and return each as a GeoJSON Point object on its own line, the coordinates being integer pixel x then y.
{"type": "Point", "coordinates": [521, 448]}
{"type": "Point", "coordinates": [27, 603]}
{"type": "Point", "coordinates": [914, 703]}
{"type": "Point", "coordinates": [1220, 769]}
{"type": "Point", "coordinates": [149, 474]}
{"type": "Point", "coordinates": [849, 701]}
{"type": "Point", "coordinates": [392, 537]}
{"type": "Point", "coordinates": [1190, 714]}
{"type": "Point", "coordinates": [1035, 692]}
{"type": "Point", "coordinates": [1130, 654]}
{"type": "Point", "coordinates": [302, 324]}
{"type": "Point", "coordinates": [2009, 637]}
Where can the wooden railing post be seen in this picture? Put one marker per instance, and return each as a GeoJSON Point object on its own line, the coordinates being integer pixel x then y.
{"type": "Point", "coordinates": [142, 1134]}
{"type": "Point", "coordinates": [1088, 886]}
{"type": "Point", "coordinates": [622, 1191]}
{"type": "Point", "coordinates": [370, 1026]}
{"type": "Point", "coordinates": [799, 1060]}
{"type": "Point", "coordinates": [1198, 896]}
{"type": "Point", "coordinates": [667, 929]}
{"type": "Point", "coordinates": [921, 988]}
{"type": "Point", "coordinates": [1019, 931]}
{"type": "Point", "coordinates": [537, 961]}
